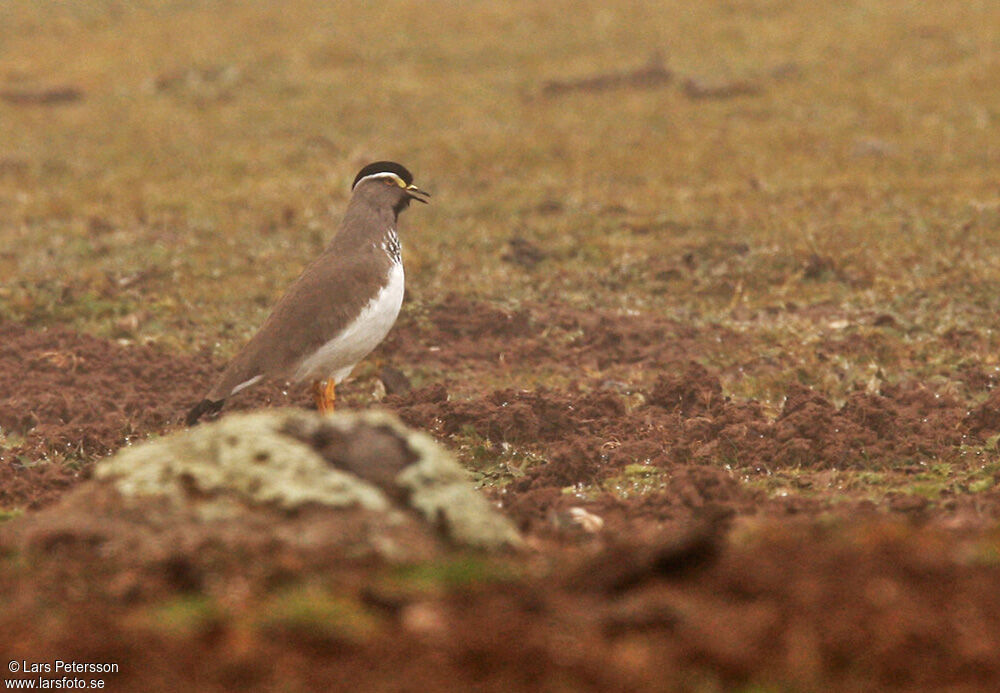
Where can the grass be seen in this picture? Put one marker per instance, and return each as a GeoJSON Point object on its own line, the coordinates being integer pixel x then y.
{"type": "Point", "coordinates": [313, 612]}
{"type": "Point", "coordinates": [937, 481]}
{"type": "Point", "coordinates": [184, 616]}
{"type": "Point", "coordinates": [453, 574]}
{"type": "Point", "coordinates": [213, 149]}
{"type": "Point", "coordinates": [634, 480]}
{"type": "Point", "coordinates": [844, 221]}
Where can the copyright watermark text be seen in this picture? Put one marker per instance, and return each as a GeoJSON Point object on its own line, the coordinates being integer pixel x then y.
{"type": "Point", "coordinates": [54, 674]}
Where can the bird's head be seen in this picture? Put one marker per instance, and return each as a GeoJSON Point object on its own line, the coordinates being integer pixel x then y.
{"type": "Point", "coordinates": [388, 183]}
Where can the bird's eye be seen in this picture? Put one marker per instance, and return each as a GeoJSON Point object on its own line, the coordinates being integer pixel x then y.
{"type": "Point", "coordinates": [390, 181]}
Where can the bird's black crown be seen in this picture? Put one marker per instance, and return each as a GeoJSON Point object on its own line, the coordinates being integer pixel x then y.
{"type": "Point", "coordinates": [384, 167]}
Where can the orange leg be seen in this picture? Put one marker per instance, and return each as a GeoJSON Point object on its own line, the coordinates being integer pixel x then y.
{"type": "Point", "coordinates": [324, 394]}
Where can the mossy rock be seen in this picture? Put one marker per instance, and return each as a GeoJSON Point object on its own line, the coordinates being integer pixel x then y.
{"type": "Point", "coordinates": [289, 459]}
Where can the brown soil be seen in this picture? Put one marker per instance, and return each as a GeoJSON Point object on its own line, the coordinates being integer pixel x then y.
{"type": "Point", "coordinates": [697, 578]}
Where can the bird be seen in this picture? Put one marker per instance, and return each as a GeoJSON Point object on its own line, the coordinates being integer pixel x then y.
{"type": "Point", "coordinates": [340, 307]}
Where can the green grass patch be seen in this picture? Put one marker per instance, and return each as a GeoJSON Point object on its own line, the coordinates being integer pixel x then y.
{"type": "Point", "coordinates": [450, 574]}
{"type": "Point", "coordinates": [492, 464]}
{"type": "Point", "coordinates": [185, 616]}
{"type": "Point", "coordinates": [316, 613]}
{"type": "Point", "coordinates": [635, 480]}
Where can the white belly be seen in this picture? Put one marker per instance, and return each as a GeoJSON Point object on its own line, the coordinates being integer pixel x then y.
{"type": "Point", "coordinates": [337, 357]}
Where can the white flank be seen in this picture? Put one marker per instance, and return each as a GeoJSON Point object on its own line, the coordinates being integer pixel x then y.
{"type": "Point", "coordinates": [337, 357]}
{"type": "Point", "coordinates": [245, 384]}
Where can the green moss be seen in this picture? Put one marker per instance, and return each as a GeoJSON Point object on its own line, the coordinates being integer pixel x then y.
{"type": "Point", "coordinates": [185, 616]}
{"type": "Point", "coordinates": [450, 574]}
{"type": "Point", "coordinates": [985, 553]}
{"type": "Point", "coordinates": [635, 480]}
{"type": "Point", "coordinates": [314, 612]}
{"type": "Point", "coordinates": [491, 464]}
{"type": "Point", "coordinates": [980, 485]}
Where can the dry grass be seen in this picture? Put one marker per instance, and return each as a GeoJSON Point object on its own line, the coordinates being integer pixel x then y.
{"type": "Point", "coordinates": [844, 217]}
{"type": "Point", "coordinates": [215, 143]}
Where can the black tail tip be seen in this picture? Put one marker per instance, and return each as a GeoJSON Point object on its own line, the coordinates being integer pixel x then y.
{"type": "Point", "coordinates": [205, 406]}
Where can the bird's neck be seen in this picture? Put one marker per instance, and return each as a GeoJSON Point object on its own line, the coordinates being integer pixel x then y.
{"type": "Point", "coordinates": [363, 224]}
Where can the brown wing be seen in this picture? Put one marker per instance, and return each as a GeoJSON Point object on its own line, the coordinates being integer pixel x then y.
{"type": "Point", "coordinates": [324, 299]}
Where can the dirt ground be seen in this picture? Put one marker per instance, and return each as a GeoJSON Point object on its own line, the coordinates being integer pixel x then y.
{"type": "Point", "coordinates": [705, 301]}
{"type": "Point", "coordinates": [698, 578]}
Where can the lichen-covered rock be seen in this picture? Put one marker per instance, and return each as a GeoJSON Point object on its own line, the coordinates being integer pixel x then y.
{"type": "Point", "coordinates": [243, 457]}
{"type": "Point", "coordinates": [409, 466]}
{"type": "Point", "coordinates": [288, 459]}
{"type": "Point", "coordinates": [440, 490]}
